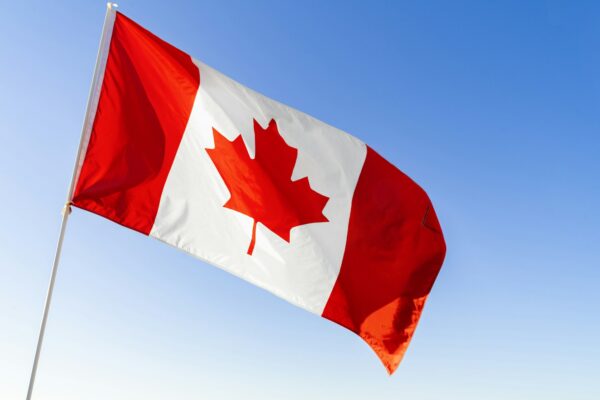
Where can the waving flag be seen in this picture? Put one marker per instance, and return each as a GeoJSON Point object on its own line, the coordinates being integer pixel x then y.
{"type": "Point", "coordinates": [177, 151]}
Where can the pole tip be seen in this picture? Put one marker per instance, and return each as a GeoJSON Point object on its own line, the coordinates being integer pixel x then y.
{"type": "Point", "coordinates": [111, 5]}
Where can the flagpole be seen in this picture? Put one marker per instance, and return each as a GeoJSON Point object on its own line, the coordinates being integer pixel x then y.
{"type": "Point", "coordinates": [90, 112]}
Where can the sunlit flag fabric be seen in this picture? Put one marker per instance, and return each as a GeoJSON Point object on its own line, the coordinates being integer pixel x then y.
{"type": "Point", "coordinates": [180, 152]}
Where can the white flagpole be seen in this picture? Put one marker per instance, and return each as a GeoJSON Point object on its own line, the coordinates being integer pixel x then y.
{"type": "Point", "coordinates": [90, 112]}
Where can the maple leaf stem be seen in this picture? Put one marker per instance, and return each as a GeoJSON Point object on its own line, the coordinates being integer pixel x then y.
{"type": "Point", "coordinates": [253, 240]}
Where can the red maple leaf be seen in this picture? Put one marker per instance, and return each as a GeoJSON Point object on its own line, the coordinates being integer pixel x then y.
{"type": "Point", "coordinates": [261, 188]}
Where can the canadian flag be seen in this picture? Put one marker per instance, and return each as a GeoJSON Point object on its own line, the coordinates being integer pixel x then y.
{"type": "Point", "coordinates": [177, 151]}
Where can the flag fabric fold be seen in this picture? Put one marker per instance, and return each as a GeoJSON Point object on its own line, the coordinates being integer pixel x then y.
{"type": "Point", "coordinates": [180, 152]}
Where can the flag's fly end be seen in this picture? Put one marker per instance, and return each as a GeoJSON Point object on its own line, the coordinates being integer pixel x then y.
{"type": "Point", "coordinates": [394, 251]}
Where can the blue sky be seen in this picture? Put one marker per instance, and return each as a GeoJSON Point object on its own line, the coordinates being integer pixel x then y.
{"type": "Point", "coordinates": [493, 107]}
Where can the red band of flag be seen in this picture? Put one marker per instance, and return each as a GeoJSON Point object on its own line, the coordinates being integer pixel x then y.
{"type": "Point", "coordinates": [394, 252]}
{"type": "Point", "coordinates": [146, 99]}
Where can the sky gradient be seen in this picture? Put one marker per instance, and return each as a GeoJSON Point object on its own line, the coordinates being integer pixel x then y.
{"type": "Point", "coordinates": [492, 107]}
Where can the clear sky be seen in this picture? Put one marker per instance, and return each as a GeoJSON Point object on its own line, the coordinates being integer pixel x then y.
{"type": "Point", "coordinates": [493, 107]}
